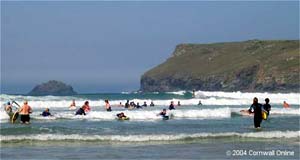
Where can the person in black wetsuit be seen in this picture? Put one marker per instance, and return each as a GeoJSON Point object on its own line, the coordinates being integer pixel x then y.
{"type": "Point", "coordinates": [145, 104]}
{"type": "Point", "coordinates": [138, 105]}
{"type": "Point", "coordinates": [164, 114]}
{"type": "Point", "coordinates": [151, 104]}
{"type": "Point", "coordinates": [171, 107]}
{"type": "Point", "coordinates": [257, 109]}
{"type": "Point", "coordinates": [121, 115]}
{"type": "Point", "coordinates": [127, 104]}
{"type": "Point", "coordinates": [46, 113]}
{"type": "Point", "coordinates": [267, 106]}
{"type": "Point", "coordinates": [80, 111]}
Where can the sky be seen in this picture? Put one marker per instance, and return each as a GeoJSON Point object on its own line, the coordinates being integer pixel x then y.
{"type": "Point", "coordinates": [107, 46]}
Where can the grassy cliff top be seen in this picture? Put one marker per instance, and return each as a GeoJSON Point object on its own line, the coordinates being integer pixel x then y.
{"type": "Point", "coordinates": [195, 60]}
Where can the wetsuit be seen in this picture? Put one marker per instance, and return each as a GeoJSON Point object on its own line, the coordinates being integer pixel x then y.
{"type": "Point", "coordinates": [119, 115]}
{"type": "Point", "coordinates": [80, 111]}
{"type": "Point", "coordinates": [144, 105]}
{"type": "Point", "coordinates": [257, 114]}
{"type": "Point", "coordinates": [138, 106]}
{"type": "Point", "coordinates": [267, 107]}
{"type": "Point", "coordinates": [151, 105]}
{"type": "Point", "coordinates": [45, 114]}
{"type": "Point", "coordinates": [164, 115]}
{"type": "Point", "coordinates": [127, 105]}
{"type": "Point", "coordinates": [171, 107]}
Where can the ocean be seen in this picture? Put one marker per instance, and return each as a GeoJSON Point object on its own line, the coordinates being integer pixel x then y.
{"type": "Point", "coordinates": [214, 130]}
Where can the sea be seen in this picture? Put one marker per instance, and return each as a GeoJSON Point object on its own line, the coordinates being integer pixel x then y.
{"type": "Point", "coordinates": [214, 130]}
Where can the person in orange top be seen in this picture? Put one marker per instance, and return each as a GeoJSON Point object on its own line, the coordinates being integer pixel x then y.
{"type": "Point", "coordinates": [285, 105]}
{"type": "Point", "coordinates": [24, 111]}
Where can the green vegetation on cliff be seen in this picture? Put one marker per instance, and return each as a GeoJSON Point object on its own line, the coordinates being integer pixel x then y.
{"type": "Point", "coordinates": [234, 66]}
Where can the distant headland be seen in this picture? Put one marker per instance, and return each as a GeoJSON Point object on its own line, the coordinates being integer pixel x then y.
{"type": "Point", "coordinates": [254, 65]}
{"type": "Point", "coordinates": [52, 87]}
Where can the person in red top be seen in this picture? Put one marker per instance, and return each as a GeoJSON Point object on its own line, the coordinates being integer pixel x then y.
{"type": "Point", "coordinates": [24, 111]}
{"type": "Point", "coordinates": [86, 106]}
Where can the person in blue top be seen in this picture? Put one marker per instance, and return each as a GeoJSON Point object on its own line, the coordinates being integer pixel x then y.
{"type": "Point", "coordinates": [46, 113]}
{"type": "Point", "coordinates": [257, 109]}
{"type": "Point", "coordinates": [171, 107]}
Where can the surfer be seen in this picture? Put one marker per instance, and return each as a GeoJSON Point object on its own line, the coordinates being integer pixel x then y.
{"type": "Point", "coordinates": [86, 107]}
{"type": "Point", "coordinates": [163, 113]}
{"type": "Point", "coordinates": [127, 104]}
{"type": "Point", "coordinates": [171, 107]}
{"type": "Point", "coordinates": [199, 104]}
{"type": "Point", "coordinates": [257, 109]}
{"type": "Point", "coordinates": [138, 105]}
{"type": "Point", "coordinates": [178, 103]}
{"type": "Point", "coordinates": [193, 95]}
{"type": "Point", "coordinates": [145, 104]}
{"type": "Point", "coordinates": [107, 106]}
{"type": "Point", "coordinates": [46, 113]}
{"type": "Point", "coordinates": [285, 105]}
{"type": "Point", "coordinates": [267, 106]}
{"type": "Point", "coordinates": [121, 116]}
{"type": "Point", "coordinates": [151, 104]}
{"type": "Point", "coordinates": [24, 111]}
{"type": "Point", "coordinates": [73, 104]}
{"type": "Point", "coordinates": [80, 111]}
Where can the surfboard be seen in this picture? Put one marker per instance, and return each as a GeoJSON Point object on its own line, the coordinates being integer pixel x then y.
{"type": "Point", "coordinates": [14, 117]}
{"type": "Point", "coordinates": [264, 115]}
{"type": "Point", "coordinates": [165, 118]}
{"type": "Point", "coordinates": [72, 108]}
{"type": "Point", "coordinates": [124, 118]}
{"type": "Point", "coordinates": [246, 113]}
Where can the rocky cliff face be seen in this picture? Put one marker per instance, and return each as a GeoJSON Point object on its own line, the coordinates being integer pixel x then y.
{"type": "Point", "coordinates": [55, 88]}
{"type": "Point", "coordinates": [236, 66]}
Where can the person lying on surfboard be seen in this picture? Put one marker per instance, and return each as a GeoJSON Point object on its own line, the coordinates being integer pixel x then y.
{"type": "Point", "coordinates": [163, 113]}
{"type": "Point", "coordinates": [121, 116]}
{"type": "Point", "coordinates": [46, 113]}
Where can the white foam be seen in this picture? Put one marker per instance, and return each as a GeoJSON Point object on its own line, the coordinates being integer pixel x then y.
{"type": "Point", "coordinates": [147, 137]}
{"type": "Point", "coordinates": [241, 98]}
{"type": "Point", "coordinates": [274, 111]}
{"type": "Point", "coordinates": [149, 115]}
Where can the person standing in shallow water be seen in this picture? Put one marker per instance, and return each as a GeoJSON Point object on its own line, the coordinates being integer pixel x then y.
{"type": "Point", "coordinates": [107, 106]}
{"type": "Point", "coordinates": [267, 106]}
{"type": "Point", "coordinates": [24, 111]}
{"type": "Point", "coordinates": [257, 109]}
{"type": "Point", "coordinates": [171, 107]}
